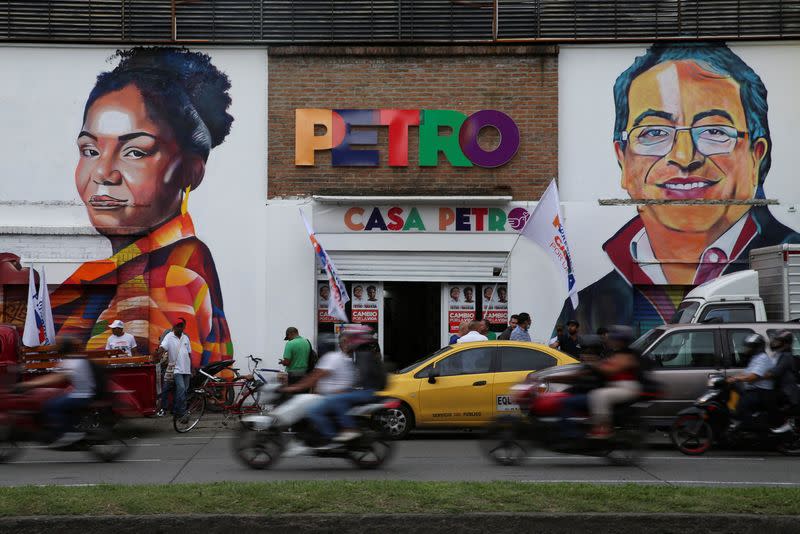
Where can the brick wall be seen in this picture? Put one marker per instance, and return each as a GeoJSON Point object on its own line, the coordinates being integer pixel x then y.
{"type": "Point", "coordinates": [519, 81]}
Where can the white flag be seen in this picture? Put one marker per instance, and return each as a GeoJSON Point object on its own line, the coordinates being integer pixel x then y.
{"type": "Point", "coordinates": [339, 296]}
{"type": "Point", "coordinates": [45, 311]}
{"type": "Point", "coordinates": [39, 328]}
{"type": "Point", "coordinates": [545, 227]}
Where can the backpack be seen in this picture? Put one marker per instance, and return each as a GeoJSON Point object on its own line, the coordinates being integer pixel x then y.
{"type": "Point", "coordinates": [313, 357]}
{"type": "Point", "coordinates": [371, 371]}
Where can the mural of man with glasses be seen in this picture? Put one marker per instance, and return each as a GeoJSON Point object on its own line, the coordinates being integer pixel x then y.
{"type": "Point", "coordinates": [691, 124]}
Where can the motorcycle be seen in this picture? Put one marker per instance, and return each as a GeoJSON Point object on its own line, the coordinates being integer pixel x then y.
{"type": "Point", "coordinates": [263, 439]}
{"type": "Point", "coordinates": [708, 421]}
{"type": "Point", "coordinates": [22, 420]}
{"type": "Point", "coordinates": [539, 424]}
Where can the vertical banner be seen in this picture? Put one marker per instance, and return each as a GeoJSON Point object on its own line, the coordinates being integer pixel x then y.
{"type": "Point", "coordinates": [545, 227]}
{"type": "Point", "coordinates": [495, 304]}
{"type": "Point", "coordinates": [323, 303]}
{"type": "Point", "coordinates": [460, 305]}
{"type": "Point", "coordinates": [366, 297]}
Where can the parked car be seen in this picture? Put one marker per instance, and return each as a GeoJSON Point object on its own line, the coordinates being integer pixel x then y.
{"type": "Point", "coordinates": [684, 356]}
{"type": "Point", "coordinates": [463, 385]}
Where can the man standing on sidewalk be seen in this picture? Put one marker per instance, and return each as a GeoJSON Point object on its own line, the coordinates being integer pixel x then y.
{"type": "Point", "coordinates": [520, 333]}
{"type": "Point", "coordinates": [295, 355]}
{"type": "Point", "coordinates": [178, 351]}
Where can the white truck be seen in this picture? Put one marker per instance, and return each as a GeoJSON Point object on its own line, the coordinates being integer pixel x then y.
{"type": "Point", "coordinates": [768, 291]}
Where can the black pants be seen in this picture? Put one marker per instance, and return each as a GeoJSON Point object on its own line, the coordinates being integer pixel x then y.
{"type": "Point", "coordinates": [753, 401]}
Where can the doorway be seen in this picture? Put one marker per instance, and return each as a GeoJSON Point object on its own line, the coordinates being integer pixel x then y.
{"type": "Point", "coordinates": [412, 321]}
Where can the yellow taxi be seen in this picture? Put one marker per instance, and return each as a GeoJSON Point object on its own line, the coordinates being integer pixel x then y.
{"type": "Point", "coordinates": [463, 385]}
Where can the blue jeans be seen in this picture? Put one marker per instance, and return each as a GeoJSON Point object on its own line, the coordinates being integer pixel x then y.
{"type": "Point", "coordinates": [166, 387]}
{"type": "Point", "coordinates": [62, 412]}
{"type": "Point", "coordinates": [572, 407]}
{"type": "Point", "coordinates": [181, 387]}
{"type": "Point", "coordinates": [336, 407]}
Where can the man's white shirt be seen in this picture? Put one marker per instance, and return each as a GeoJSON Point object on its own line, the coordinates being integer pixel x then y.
{"type": "Point", "coordinates": [125, 342]}
{"type": "Point", "coordinates": [179, 351]}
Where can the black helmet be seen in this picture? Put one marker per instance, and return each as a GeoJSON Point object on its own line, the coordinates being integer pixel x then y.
{"type": "Point", "coordinates": [782, 339]}
{"type": "Point", "coordinates": [754, 344]}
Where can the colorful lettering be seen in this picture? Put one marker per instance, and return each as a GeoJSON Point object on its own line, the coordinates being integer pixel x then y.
{"type": "Point", "coordinates": [431, 142]}
{"type": "Point", "coordinates": [348, 219]}
{"type": "Point", "coordinates": [398, 121]}
{"type": "Point", "coordinates": [462, 220]}
{"type": "Point", "coordinates": [480, 217]}
{"type": "Point", "coordinates": [396, 223]}
{"type": "Point", "coordinates": [414, 221]}
{"type": "Point", "coordinates": [497, 220]}
{"type": "Point", "coordinates": [344, 156]}
{"type": "Point", "coordinates": [446, 217]}
{"type": "Point", "coordinates": [375, 221]}
{"type": "Point", "coordinates": [509, 138]}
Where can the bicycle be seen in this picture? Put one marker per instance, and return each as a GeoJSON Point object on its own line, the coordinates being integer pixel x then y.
{"type": "Point", "coordinates": [237, 397]}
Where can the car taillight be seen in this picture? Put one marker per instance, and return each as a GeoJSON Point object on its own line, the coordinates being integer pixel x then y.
{"type": "Point", "coordinates": [392, 404]}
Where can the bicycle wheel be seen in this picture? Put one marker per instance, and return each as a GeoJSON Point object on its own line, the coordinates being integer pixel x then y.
{"type": "Point", "coordinates": [195, 407]}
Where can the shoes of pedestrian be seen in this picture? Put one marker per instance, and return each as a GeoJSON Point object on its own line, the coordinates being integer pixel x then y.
{"type": "Point", "coordinates": [785, 427]}
{"type": "Point", "coordinates": [67, 439]}
{"type": "Point", "coordinates": [347, 435]}
{"type": "Point", "coordinates": [161, 413]}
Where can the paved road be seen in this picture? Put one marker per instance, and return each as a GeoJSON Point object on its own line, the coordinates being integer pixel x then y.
{"type": "Point", "coordinates": [160, 456]}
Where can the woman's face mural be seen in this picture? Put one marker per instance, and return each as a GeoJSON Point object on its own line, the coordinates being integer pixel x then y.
{"type": "Point", "coordinates": [131, 170]}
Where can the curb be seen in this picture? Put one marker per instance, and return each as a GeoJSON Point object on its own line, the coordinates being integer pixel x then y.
{"type": "Point", "coordinates": [356, 523]}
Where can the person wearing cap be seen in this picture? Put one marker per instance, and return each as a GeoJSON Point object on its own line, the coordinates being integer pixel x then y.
{"type": "Point", "coordinates": [119, 339]}
{"type": "Point", "coordinates": [177, 351]}
{"type": "Point", "coordinates": [569, 342]}
{"type": "Point", "coordinates": [295, 355]}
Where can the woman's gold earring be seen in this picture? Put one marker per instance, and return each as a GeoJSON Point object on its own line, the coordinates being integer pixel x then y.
{"type": "Point", "coordinates": [185, 201]}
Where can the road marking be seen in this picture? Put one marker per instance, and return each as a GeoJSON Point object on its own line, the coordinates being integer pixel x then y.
{"type": "Point", "coordinates": [84, 462]}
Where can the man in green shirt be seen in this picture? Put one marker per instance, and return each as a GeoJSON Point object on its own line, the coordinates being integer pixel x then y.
{"type": "Point", "coordinates": [295, 355]}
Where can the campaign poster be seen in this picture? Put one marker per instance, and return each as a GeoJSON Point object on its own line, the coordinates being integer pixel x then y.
{"type": "Point", "coordinates": [366, 297]}
{"type": "Point", "coordinates": [461, 305]}
{"type": "Point", "coordinates": [495, 303]}
{"type": "Point", "coordinates": [323, 299]}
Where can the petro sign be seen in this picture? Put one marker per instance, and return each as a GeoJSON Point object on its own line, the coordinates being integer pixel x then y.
{"type": "Point", "coordinates": [460, 147]}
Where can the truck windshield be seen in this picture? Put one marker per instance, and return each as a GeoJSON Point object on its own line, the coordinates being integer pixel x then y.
{"type": "Point", "coordinates": [685, 312]}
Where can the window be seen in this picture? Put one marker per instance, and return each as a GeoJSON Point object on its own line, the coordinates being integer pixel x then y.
{"type": "Point", "coordinates": [795, 341]}
{"type": "Point", "coordinates": [685, 312]}
{"type": "Point", "coordinates": [519, 359]}
{"type": "Point", "coordinates": [744, 313]}
{"type": "Point", "coordinates": [736, 348]}
{"type": "Point", "coordinates": [466, 362]}
{"type": "Point", "coordinates": [694, 348]}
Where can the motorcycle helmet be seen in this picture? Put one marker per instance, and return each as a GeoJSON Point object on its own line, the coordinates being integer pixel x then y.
{"type": "Point", "coordinates": [753, 344]}
{"type": "Point", "coordinates": [355, 335]}
{"type": "Point", "coordinates": [620, 336]}
{"type": "Point", "coordinates": [782, 340]}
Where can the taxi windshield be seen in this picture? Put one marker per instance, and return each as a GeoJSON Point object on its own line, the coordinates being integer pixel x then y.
{"type": "Point", "coordinates": [422, 360]}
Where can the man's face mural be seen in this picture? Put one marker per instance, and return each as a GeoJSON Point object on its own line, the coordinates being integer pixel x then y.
{"type": "Point", "coordinates": [687, 138]}
{"type": "Point", "coordinates": [131, 170]}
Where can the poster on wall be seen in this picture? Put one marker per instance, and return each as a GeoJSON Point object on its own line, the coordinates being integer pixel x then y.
{"type": "Point", "coordinates": [460, 305]}
{"type": "Point", "coordinates": [365, 303]}
{"type": "Point", "coordinates": [495, 303]}
{"type": "Point", "coordinates": [323, 296]}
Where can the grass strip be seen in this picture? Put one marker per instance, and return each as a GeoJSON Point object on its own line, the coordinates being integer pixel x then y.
{"type": "Point", "coordinates": [391, 497]}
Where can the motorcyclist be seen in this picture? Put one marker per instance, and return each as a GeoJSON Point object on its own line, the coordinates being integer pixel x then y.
{"type": "Point", "coordinates": [755, 387]}
{"type": "Point", "coordinates": [334, 373]}
{"type": "Point", "coordinates": [784, 378]}
{"type": "Point", "coordinates": [620, 373]}
{"type": "Point", "coordinates": [62, 411]}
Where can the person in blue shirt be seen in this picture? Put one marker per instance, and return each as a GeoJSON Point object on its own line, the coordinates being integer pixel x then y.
{"type": "Point", "coordinates": [520, 333]}
{"type": "Point", "coordinates": [756, 387]}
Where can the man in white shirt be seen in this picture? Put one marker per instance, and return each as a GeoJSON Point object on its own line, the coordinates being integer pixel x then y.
{"type": "Point", "coordinates": [473, 334]}
{"type": "Point", "coordinates": [178, 354]}
{"type": "Point", "coordinates": [63, 411]}
{"type": "Point", "coordinates": [334, 373]}
{"type": "Point", "coordinates": [119, 339]}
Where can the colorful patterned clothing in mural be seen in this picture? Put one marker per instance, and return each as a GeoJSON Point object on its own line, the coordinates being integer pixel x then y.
{"type": "Point", "coordinates": [159, 278]}
{"type": "Point", "coordinates": [637, 281]}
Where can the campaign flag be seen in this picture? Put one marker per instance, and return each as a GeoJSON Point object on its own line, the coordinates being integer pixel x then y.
{"type": "Point", "coordinates": [39, 328]}
{"type": "Point", "coordinates": [545, 227]}
{"type": "Point", "coordinates": [339, 296]}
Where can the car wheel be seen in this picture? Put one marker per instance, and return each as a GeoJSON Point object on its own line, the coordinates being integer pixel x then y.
{"type": "Point", "coordinates": [691, 434]}
{"type": "Point", "coordinates": [502, 442]}
{"type": "Point", "coordinates": [396, 423]}
{"type": "Point", "coordinates": [371, 456]}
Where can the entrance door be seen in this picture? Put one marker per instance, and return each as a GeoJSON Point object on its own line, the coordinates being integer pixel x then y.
{"type": "Point", "coordinates": [412, 316]}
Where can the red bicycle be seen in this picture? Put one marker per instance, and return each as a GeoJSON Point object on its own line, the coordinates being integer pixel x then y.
{"type": "Point", "coordinates": [235, 397]}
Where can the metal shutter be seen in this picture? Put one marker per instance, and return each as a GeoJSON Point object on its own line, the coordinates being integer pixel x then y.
{"type": "Point", "coordinates": [409, 266]}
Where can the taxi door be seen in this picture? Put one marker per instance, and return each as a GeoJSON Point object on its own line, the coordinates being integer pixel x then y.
{"type": "Point", "coordinates": [514, 364]}
{"type": "Point", "coordinates": [460, 390]}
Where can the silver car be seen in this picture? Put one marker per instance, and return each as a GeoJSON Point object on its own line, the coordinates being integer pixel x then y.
{"type": "Point", "coordinates": [684, 356]}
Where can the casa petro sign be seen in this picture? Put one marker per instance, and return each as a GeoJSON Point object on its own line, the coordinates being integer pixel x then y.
{"type": "Point", "coordinates": [460, 146]}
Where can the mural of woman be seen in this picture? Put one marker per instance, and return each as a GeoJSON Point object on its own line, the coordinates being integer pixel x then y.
{"type": "Point", "coordinates": [148, 128]}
